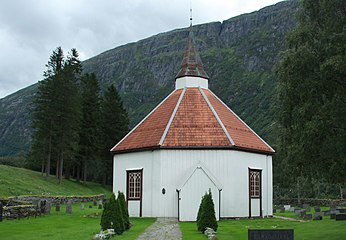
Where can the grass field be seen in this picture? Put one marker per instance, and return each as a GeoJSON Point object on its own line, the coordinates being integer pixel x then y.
{"type": "Point", "coordinates": [80, 225]}
{"type": "Point", "coordinates": [238, 229]}
{"type": "Point", "coordinates": [19, 181]}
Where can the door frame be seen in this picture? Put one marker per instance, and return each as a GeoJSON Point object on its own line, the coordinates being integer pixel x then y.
{"type": "Point", "coordinates": [249, 190]}
{"type": "Point", "coordinates": [140, 199]}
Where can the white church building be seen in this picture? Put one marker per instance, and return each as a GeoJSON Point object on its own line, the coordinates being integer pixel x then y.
{"type": "Point", "coordinates": [190, 143]}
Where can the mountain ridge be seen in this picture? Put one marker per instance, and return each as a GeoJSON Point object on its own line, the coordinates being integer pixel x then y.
{"type": "Point", "coordinates": [238, 55]}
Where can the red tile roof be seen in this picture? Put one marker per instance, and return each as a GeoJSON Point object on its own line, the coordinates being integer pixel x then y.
{"type": "Point", "coordinates": [195, 123]}
{"type": "Point", "coordinates": [192, 118]}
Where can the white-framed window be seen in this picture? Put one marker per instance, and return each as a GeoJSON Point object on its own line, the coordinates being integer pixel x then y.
{"type": "Point", "coordinates": [134, 185]}
{"type": "Point", "coordinates": [255, 183]}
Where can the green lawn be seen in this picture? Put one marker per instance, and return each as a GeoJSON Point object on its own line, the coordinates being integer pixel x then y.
{"type": "Point", "coordinates": [238, 229]}
{"type": "Point", "coordinates": [19, 181]}
{"type": "Point", "coordinates": [81, 224]}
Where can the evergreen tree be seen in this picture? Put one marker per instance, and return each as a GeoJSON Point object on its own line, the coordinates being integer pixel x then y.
{"type": "Point", "coordinates": [312, 99]}
{"type": "Point", "coordinates": [55, 115]}
{"type": "Point", "coordinates": [206, 214]}
{"type": "Point", "coordinates": [114, 126]}
{"type": "Point", "coordinates": [124, 210]}
{"type": "Point", "coordinates": [111, 216]}
{"type": "Point", "coordinates": [89, 143]}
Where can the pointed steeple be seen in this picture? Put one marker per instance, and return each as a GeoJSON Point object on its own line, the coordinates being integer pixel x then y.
{"type": "Point", "coordinates": [192, 64]}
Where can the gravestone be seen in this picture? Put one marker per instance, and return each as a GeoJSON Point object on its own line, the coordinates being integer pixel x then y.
{"type": "Point", "coordinates": [100, 204]}
{"type": "Point", "coordinates": [82, 206]}
{"type": "Point", "coordinates": [317, 217]}
{"type": "Point", "coordinates": [317, 209]}
{"type": "Point", "coordinates": [340, 217]}
{"type": "Point", "coordinates": [94, 201]}
{"type": "Point", "coordinates": [270, 234]}
{"type": "Point", "coordinates": [297, 212]}
{"type": "Point", "coordinates": [326, 212]}
{"type": "Point", "coordinates": [48, 207]}
{"type": "Point", "coordinates": [282, 210]}
{"type": "Point", "coordinates": [42, 206]}
{"type": "Point", "coordinates": [308, 216]}
{"type": "Point", "coordinates": [90, 206]}
{"type": "Point", "coordinates": [1, 211]}
{"type": "Point", "coordinates": [302, 213]}
{"type": "Point", "coordinates": [341, 210]}
{"type": "Point", "coordinates": [291, 209]}
{"type": "Point", "coordinates": [318, 214]}
{"type": "Point", "coordinates": [69, 207]}
{"type": "Point", "coordinates": [332, 215]}
{"type": "Point", "coordinates": [57, 207]}
{"type": "Point", "coordinates": [306, 206]}
{"type": "Point", "coordinates": [287, 207]}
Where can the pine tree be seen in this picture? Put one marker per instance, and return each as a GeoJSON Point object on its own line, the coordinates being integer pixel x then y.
{"type": "Point", "coordinates": [114, 125]}
{"type": "Point", "coordinates": [108, 213]}
{"type": "Point", "coordinates": [124, 210]}
{"type": "Point", "coordinates": [206, 217]}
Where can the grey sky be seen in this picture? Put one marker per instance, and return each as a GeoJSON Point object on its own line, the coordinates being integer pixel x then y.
{"type": "Point", "coordinates": [31, 29]}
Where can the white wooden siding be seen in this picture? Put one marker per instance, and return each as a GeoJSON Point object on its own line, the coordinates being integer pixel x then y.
{"type": "Point", "coordinates": [167, 168]}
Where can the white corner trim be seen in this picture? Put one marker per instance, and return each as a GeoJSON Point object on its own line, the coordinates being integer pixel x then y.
{"type": "Point", "coordinates": [243, 122]}
{"type": "Point", "coordinates": [134, 169]}
{"type": "Point", "coordinates": [143, 120]}
{"type": "Point", "coordinates": [172, 117]}
{"type": "Point", "coordinates": [217, 117]}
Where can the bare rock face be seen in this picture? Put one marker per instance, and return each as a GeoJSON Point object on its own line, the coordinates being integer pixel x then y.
{"type": "Point", "coordinates": [238, 55]}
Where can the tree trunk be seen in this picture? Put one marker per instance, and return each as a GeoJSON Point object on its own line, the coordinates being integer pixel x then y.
{"type": "Point", "coordinates": [85, 173]}
{"type": "Point", "coordinates": [42, 167]}
{"type": "Point", "coordinates": [49, 158]}
{"type": "Point", "coordinates": [78, 173]}
{"type": "Point", "coordinates": [104, 179]}
{"type": "Point", "coordinates": [341, 192]}
{"type": "Point", "coordinates": [61, 167]}
{"type": "Point", "coordinates": [67, 172]}
{"type": "Point", "coordinates": [57, 168]}
{"type": "Point", "coordinates": [298, 191]}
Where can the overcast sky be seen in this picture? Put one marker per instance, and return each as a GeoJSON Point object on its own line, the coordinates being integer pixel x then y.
{"type": "Point", "coordinates": [31, 29]}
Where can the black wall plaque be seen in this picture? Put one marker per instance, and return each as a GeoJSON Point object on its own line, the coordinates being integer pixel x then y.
{"type": "Point", "coordinates": [270, 234]}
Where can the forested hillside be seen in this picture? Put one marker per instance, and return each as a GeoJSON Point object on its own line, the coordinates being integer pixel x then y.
{"type": "Point", "coordinates": [238, 55]}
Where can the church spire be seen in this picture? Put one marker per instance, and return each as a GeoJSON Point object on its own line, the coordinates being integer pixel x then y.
{"type": "Point", "coordinates": [192, 64]}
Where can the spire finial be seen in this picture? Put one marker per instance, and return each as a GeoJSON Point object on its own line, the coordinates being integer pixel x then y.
{"type": "Point", "coordinates": [190, 13]}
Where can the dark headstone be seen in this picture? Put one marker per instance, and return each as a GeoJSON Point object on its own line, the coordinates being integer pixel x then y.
{"type": "Point", "coordinates": [317, 217]}
{"type": "Point", "coordinates": [57, 207]}
{"type": "Point", "coordinates": [272, 234]}
{"type": "Point", "coordinates": [95, 202]}
{"type": "Point", "coordinates": [90, 206]}
{"type": "Point", "coordinates": [282, 210]}
{"type": "Point", "coordinates": [308, 216]}
{"type": "Point", "coordinates": [42, 206]}
{"type": "Point", "coordinates": [340, 216]}
{"type": "Point", "coordinates": [302, 213]}
{"type": "Point", "coordinates": [69, 207]}
{"type": "Point", "coordinates": [332, 215]}
{"type": "Point", "coordinates": [1, 211]}
{"type": "Point", "coordinates": [317, 209]}
{"type": "Point", "coordinates": [342, 210]}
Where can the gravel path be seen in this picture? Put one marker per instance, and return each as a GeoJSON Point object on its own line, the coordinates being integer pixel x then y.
{"type": "Point", "coordinates": [162, 229]}
{"type": "Point", "coordinates": [288, 218]}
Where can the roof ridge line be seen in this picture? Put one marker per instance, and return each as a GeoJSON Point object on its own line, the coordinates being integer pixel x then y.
{"type": "Point", "coordinates": [172, 117]}
{"type": "Point", "coordinates": [217, 116]}
{"type": "Point", "coordinates": [243, 122]}
{"type": "Point", "coordinates": [112, 149]}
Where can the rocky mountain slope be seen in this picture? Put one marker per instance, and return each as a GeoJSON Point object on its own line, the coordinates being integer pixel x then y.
{"type": "Point", "coordinates": [238, 55]}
